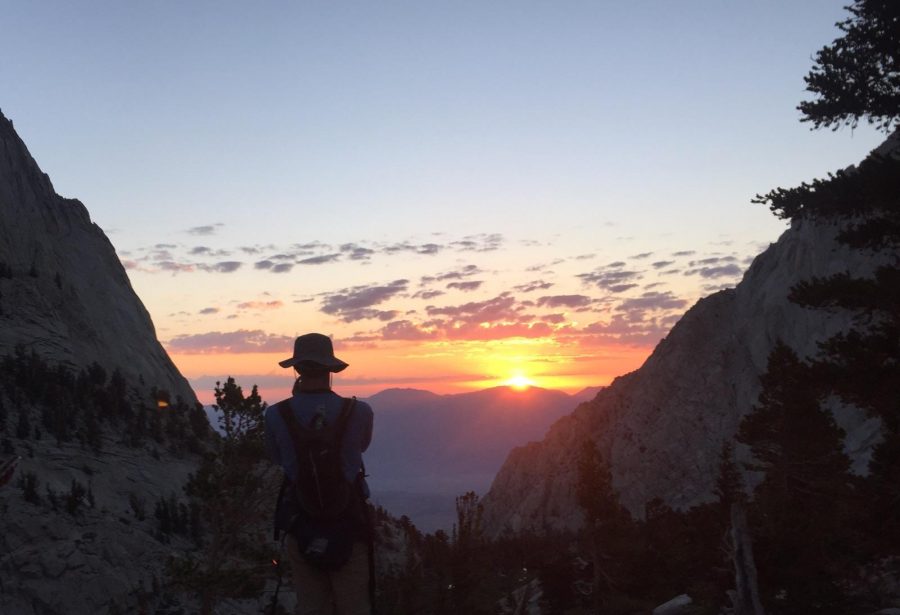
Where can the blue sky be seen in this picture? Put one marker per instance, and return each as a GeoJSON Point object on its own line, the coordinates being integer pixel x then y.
{"type": "Point", "coordinates": [569, 129]}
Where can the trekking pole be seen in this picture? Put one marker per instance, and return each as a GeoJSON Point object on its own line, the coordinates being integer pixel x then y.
{"type": "Point", "coordinates": [277, 564]}
{"type": "Point", "coordinates": [273, 610]}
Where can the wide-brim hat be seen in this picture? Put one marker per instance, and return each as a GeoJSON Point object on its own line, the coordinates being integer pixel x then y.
{"type": "Point", "coordinates": [314, 348]}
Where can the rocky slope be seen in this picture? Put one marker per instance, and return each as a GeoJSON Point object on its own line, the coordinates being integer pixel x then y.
{"type": "Point", "coordinates": [78, 532]}
{"type": "Point", "coordinates": [662, 427]}
{"type": "Point", "coordinates": [63, 292]}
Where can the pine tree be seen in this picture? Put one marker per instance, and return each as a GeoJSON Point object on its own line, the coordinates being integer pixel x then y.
{"type": "Point", "coordinates": [468, 565]}
{"type": "Point", "coordinates": [858, 75]}
{"type": "Point", "coordinates": [608, 526]}
{"type": "Point", "coordinates": [802, 513]}
{"type": "Point", "coordinates": [233, 491]}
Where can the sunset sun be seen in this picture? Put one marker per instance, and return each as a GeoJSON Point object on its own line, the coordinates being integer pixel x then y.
{"type": "Point", "coordinates": [520, 382]}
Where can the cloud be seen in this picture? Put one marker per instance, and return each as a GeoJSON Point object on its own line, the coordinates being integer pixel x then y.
{"type": "Point", "coordinates": [209, 310]}
{"type": "Point", "coordinates": [620, 329]}
{"type": "Point", "coordinates": [466, 286]}
{"type": "Point", "coordinates": [652, 301]}
{"type": "Point", "coordinates": [729, 270]}
{"type": "Point", "coordinates": [545, 266]}
{"type": "Point", "coordinates": [319, 260]}
{"type": "Point", "coordinates": [282, 268]}
{"type": "Point", "coordinates": [567, 301]}
{"type": "Point", "coordinates": [263, 264]}
{"type": "Point", "coordinates": [684, 253]}
{"type": "Point", "coordinates": [351, 304]}
{"type": "Point", "coordinates": [230, 342]}
{"type": "Point", "coordinates": [616, 280]}
{"type": "Point", "coordinates": [712, 260]}
{"type": "Point", "coordinates": [206, 229]}
{"type": "Point", "coordinates": [428, 294]}
{"type": "Point", "coordinates": [459, 274]}
{"type": "Point", "coordinates": [406, 246]}
{"type": "Point", "coordinates": [498, 331]}
{"type": "Point", "coordinates": [405, 330]}
{"type": "Point", "coordinates": [533, 286]}
{"type": "Point", "coordinates": [499, 308]}
{"type": "Point", "coordinates": [484, 242]}
{"type": "Point", "coordinates": [207, 251]}
{"type": "Point", "coordinates": [173, 266]}
{"type": "Point", "coordinates": [357, 253]}
{"type": "Point", "coordinates": [642, 255]}
{"type": "Point", "coordinates": [221, 267]}
{"type": "Point", "coordinates": [662, 264]}
{"type": "Point", "coordinates": [260, 305]}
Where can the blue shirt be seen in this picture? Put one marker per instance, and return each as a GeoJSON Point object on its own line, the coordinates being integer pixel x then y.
{"type": "Point", "coordinates": [306, 406]}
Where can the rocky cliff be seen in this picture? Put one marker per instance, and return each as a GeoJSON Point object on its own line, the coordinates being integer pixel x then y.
{"type": "Point", "coordinates": [662, 427]}
{"type": "Point", "coordinates": [78, 533]}
{"type": "Point", "coordinates": [63, 292]}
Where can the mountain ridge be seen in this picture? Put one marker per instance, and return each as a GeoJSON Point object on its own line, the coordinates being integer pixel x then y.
{"type": "Point", "coordinates": [64, 294]}
{"type": "Point", "coordinates": [662, 426]}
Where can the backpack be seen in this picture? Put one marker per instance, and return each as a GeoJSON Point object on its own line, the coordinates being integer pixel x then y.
{"type": "Point", "coordinates": [330, 514]}
{"type": "Point", "coordinates": [321, 490]}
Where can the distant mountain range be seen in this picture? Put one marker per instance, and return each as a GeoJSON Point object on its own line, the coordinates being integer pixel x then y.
{"type": "Point", "coordinates": [429, 448]}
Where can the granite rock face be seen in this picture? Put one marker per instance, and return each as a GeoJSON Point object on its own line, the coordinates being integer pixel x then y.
{"type": "Point", "coordinates": [663, 426]}
{"type": "Point", "coordinates": [84, 538]}
{"type": "Point", "coordinates": [63, 292]}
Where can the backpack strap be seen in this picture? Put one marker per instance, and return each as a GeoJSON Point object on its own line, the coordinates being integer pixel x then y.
{"type": "Point", "coordinates": [287, 415]}
{"type": "Point", "coordinates": [347, 406]}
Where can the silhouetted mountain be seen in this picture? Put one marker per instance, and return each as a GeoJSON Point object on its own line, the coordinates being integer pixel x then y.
{"type": "Point", "coordinates": [662, 427]}
{"type": "Point", "coordinates": [586, 394]}
{"type": "Point", "coordinates": [77, 531]}
{"type": "Point", "coordinates": [64, 294]}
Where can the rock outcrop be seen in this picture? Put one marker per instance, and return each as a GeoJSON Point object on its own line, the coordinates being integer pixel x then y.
{"type": "Point", "coordinates": [78, 533]}
{"type": "Point", "coordinates": [662, 427]}
{"type": "Point", "coordinates": [63, 292]}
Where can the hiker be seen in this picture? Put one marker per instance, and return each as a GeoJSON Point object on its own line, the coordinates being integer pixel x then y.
{"type": "Point", "coordinates": [318, 439]}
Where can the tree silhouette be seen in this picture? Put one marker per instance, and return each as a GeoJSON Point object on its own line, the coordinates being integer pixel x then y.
{"type": "Point", "coordinates": [233, 491]}
{"type": "Point", "coordinates": [803, 511]}
{"type": "Point", "coordinates": [858, 75]}
{"type": "Point", "coordinates": [608, 527]}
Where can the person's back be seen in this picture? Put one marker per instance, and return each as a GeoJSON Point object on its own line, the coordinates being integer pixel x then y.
{"type": "Point", "coordinates": [328, 542]}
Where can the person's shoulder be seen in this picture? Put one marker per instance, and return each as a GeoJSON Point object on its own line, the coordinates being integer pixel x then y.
{"type": "Point", "coordinates": [272, 410]}
{"type": "Point", "coordinates": [363, 407]}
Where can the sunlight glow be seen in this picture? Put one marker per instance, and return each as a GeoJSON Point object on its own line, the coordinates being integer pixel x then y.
{"type": "Point", "coordinates": [520, 382]}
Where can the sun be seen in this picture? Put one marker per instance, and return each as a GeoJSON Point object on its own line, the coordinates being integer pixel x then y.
{"type": "Point", "coordinates": [520, 382]}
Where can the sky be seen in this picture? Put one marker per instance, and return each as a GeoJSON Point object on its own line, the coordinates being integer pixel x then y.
{"type": "Point", "coordinates": [459, 193]}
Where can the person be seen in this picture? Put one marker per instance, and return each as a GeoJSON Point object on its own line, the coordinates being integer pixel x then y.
{"type": "Point", "coordinates": [343, 584]}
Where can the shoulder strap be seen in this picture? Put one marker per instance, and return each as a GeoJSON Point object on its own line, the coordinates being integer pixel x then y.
{"type": "Point", "coordinates": [287, 415]}
{"type": "Point", "coordinates": [347, 407]}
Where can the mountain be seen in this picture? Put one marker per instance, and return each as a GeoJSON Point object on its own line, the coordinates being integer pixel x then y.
{"type": "Point", "coordinates": [663, 426]}
{"type": "Point", "coordinates": [79, 355]}
{"type": "Point", "coordinates": [63, 292]}
{"type": "Point", "coordinates": [429, 448]}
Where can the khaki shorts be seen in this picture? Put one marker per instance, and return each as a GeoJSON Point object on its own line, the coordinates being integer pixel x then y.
{"type": "Point", "coordinates": [339, 592]}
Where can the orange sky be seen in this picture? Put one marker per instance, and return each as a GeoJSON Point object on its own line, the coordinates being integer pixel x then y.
{"type": "Point", "coordinates": [437, 367]}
